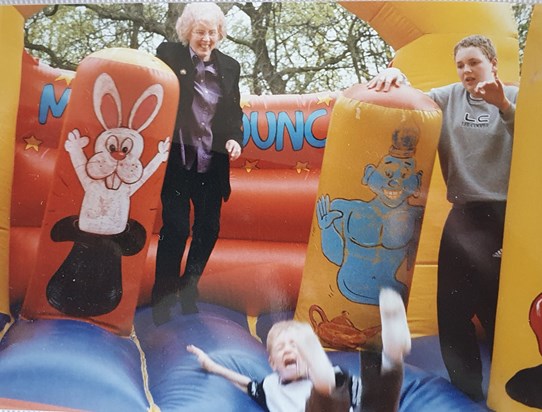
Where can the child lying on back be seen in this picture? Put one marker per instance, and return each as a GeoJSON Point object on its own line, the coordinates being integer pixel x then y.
{"type": "Point", "coordinates": [304, 379]}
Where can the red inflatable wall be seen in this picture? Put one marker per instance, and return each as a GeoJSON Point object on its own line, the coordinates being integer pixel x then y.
{"type": "Point", "coordinates": [265, 225]}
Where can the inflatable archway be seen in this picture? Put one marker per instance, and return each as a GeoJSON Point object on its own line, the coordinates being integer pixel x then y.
{"type": "Point", "coordinates": [288, 164]}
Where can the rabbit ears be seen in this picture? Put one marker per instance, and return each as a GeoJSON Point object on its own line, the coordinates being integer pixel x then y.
{"type": "Point", "coordinates": [105, 86]}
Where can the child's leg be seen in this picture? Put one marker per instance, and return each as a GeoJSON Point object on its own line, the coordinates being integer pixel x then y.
{"type": "Point", "coordinates": [381, 387]}
{"type": "Point", "coordinates": [382, 374]}
{"type": "Point", "coordinates": [338, 401]}
{"type": "Point", "coordinates": [395, 333]}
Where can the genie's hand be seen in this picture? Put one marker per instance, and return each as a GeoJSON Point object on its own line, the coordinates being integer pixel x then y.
{"type": "Point", "coordinates": [75, 141]}
{"type": "Point", "coordinates": [324, 214]}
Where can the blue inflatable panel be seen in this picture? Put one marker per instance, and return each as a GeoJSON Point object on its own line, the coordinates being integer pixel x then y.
{"type": "Point", "coordinates": [71, 364]}
{"type": "Point", "coordinates": [81, 366]}
{"type": "Point", "coordinates": [421, 391]}
{"type": "Point", "coordinates": [177, 382]}
{"type": "Point", "coordinates": [426, 355]}
{"type": "Point", "coordinates": [175, 378]}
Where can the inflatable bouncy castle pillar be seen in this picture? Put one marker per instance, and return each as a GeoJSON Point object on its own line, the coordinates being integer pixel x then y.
{"type": "Point", "coordinates": [371, 197]}
{"type": "Point", "coordinates": [516, 371]}
{"type": "Point", "coordinates": [105, 191]}
{"type": "Point", "coordinates": [11, 22]}
{"type": "Point", "coordinates": [11, 49]}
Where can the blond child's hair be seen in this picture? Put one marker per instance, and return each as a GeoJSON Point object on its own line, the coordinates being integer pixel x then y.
{"type": "Point", "coordinates": [279, 328]}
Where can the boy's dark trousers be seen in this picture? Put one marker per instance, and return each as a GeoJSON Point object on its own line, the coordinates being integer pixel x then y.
{"type": "Point", "coordinates": [468, 285]}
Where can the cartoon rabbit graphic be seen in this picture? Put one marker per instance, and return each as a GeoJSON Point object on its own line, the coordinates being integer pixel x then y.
{"type": "Point", "coordinates": [89, 281]}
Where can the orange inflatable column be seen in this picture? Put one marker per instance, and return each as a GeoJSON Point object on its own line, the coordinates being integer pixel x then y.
{"type": "Point", "coordinates": [105, 191]}
{"type": "Point", "coordinates": [371, 197]}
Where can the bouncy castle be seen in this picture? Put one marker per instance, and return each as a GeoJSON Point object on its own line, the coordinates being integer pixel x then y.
{"type": "Point", "coordinates": [78, 236]}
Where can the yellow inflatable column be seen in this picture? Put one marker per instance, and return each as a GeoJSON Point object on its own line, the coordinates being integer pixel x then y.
{"type": "Point", "coordinates": [516, 373]}
{"type": "Point", "coordinates": [11, 47]}
{"type": "Point", "coordinates": [372, 192]}
{"type": "Point", "coordinates": [423, 35]}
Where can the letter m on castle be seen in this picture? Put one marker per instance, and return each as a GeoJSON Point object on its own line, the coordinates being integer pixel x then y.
{"type": "Point", "coordinates": [48, 103]}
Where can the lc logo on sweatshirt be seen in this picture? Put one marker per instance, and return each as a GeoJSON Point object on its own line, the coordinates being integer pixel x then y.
{"type": "Point", "coordinates": [481, 120]}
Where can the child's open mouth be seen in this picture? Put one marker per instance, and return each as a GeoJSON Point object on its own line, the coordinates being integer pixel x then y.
{"type": "Point", "coordinates": [290, 363]}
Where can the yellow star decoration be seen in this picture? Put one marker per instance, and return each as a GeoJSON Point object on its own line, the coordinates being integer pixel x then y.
{"type": "Point", "coordinates": [326, 99]}
{"type": "Point", "coordinates": [245, 102]}
{"type": "Point", "coordinates": [32, 143]}
{"type": "Point", "coordinates": [66, 77]}
{"type": "Point", "coordinates": [251, 165]}
{"type": "Point", "coordinates": [302, 167]}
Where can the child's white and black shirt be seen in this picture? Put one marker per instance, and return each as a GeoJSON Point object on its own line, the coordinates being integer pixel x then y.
{"type": "Point", "coordinates": [273, 395]}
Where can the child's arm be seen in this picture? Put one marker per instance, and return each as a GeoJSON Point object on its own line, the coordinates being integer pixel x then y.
{"type": "Point", "coordinates": [320, 369]}
{"type": "Point", "coordinates": [239, 380]}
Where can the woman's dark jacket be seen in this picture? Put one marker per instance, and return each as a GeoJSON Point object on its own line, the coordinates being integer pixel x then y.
{"type": "Point", "coordinates": [227, 123]}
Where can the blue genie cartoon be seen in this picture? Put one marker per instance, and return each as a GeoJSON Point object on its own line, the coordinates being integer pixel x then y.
{"type": "Point", "coordinates": [370, 240]}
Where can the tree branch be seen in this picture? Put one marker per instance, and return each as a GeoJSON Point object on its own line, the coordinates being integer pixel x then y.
{"type": "Point", "coordinates": [55, 60]}
{"type": "Point", "coordinates": [127, 13]}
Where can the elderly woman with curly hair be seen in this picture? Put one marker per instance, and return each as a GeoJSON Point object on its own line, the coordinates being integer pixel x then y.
{"type": "Point", "coordinates": [207, 137]}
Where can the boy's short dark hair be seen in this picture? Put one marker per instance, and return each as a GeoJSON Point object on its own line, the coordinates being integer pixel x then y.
{"type": "Point", "coordinates": [479, 41]}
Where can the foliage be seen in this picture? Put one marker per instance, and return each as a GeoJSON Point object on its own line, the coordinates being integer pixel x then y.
{"type": "Point", "coordinates": [284, 47]}
{"type": "Point", "coordinates": [306, 47]}
{"type": "Point", "coordinates": [63, 35]}
{"type": "Point", "coordinates": [522, 13]}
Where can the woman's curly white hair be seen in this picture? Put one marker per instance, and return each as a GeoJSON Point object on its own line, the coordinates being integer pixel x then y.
{"type": "Point", "coordinates": [194, 13]}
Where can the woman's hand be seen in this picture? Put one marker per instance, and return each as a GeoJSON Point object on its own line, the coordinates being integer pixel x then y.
{"type": "Point", "coordinates": [234, 149]}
